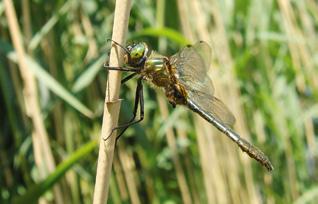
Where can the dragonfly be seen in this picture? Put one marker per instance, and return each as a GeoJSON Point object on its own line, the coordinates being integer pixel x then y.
{"type": "Point", "coordinates": [184, 79]}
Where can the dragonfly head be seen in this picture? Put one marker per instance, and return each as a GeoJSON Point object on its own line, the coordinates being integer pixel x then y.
{"type": "Point", "coordinates": [137, 54]}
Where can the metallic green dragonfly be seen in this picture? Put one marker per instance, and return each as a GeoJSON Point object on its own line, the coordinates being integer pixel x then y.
{"type": "Point", "coordinates": [183, 78]}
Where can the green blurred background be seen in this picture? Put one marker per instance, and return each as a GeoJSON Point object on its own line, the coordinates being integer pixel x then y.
{"type": "Point", "coordinates": [265, 68]}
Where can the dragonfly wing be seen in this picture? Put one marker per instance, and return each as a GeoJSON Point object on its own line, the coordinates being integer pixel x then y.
{"type": "Point", "coordinates": [192, 64]}
{"type": "Point", "coordinates": [212, 106]}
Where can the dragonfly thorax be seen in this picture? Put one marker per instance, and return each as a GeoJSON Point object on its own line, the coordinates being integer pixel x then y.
{"type": "Point", "coordinates": [155, 70]}
{"type": "Point", "coordinates": [158, 71]}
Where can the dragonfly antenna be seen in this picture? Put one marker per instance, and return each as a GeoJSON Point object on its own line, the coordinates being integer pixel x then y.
{"type": "Point", "coordinates": [116, 43]}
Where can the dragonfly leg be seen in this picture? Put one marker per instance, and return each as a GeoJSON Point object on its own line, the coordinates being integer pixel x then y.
{"type": "Point", "coordinates": [138, 99]}
{"type": "Point", "coordinates": [124, 69]}
{"type": "Point", "coordinates": [122, 47]}
{"type": "Point", "coordinates": [127, 78]}
{"type": "Point", "coordinates": [141, 116]}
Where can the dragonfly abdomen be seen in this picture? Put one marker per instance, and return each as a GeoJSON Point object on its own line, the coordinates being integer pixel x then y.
{"type": "Point", "coordinates": [242, 143]}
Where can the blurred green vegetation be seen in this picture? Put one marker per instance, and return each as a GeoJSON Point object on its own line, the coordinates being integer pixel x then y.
{"type": "Point", "coordinates": [265, 69]}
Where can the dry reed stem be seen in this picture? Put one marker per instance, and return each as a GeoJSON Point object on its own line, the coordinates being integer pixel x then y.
{"type": "Point", "coordinates": [207, 154]}
{"type": "Point", "coordinates": [128, 166]}
{"type": "Point", "coordinates": [111, 106]}
{"type": "Point", "coordinates": [182, 182]}
{"type": "Point", "coordinates": [288, 20]}
{"type": "Point", "coordinates": [310, 137]}
{"type": "Point", "coordinates": [41, 147]}
{"type": "Point", "coordinates": [185, 23]}
{"type": "Point", "coordinates": [297, 53]}
{"type": "Point", "coordinates": [182, 135]}
{"type": "Point", "coordinates": [27, 28]}
{"type": "Point", "coordinates": [88, 28]}
{"type": "Point", "coordinates": [120, 181]}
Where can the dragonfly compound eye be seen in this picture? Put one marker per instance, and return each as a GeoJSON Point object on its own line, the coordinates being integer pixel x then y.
{"type": "Point", "coordinates": [137, 51]}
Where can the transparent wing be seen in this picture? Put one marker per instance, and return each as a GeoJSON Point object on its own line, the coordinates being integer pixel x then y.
{"type": "Point", "coordinates": [192, 64]}
{"type": "Point", "coordinates": [212, 106]}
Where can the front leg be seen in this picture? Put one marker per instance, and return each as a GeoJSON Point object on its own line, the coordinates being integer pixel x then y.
{"type": "Point", "coordinates": [139, 100]}
{"type": "Point", "coordinates": [123, 69]}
